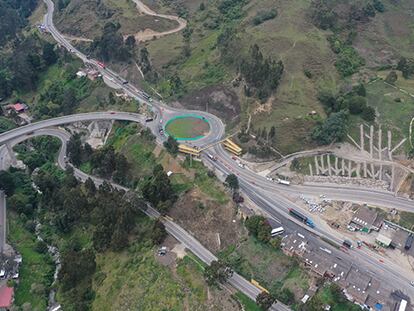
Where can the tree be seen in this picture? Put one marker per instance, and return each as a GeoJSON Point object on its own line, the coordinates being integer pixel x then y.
{"type": "Point", "coordinates": [232, 182]}
{"type": "Point", "coordinates": [171, 145]}
{"type": "Point", "coordinates": [333, 129]}
{"type": "Point", "coordinates": [158, 233]}
{"type": "Point", "coordinates": [368, 114]}
{"type": "Point", "coordinates": [7, 182]}
{"type": "Point", "coordinates": [217, 272]}
{"type": "Point", "coordinates": [360, 90]}
{"type": "Point", "coordinates": [272, 132]}
{"type": "Point", "coordinates": [259, 227]}
{"type": "Point", "coordinates": [392, 77]}
{"type": "Point", "coordinates": [356, 104]}
{"type": "Point", "coordinates": [49, 55]}
{"type": "Point", "coordinates": [379, 6]}
{"type": "Point", "coordinates": [130, 42]}
{"type": "Point", "coordinates": [264, 300]}
{"type": "Point", "coordinates": [202, 6]}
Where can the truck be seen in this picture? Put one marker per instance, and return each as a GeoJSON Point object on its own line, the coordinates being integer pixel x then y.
{"type": "Point", "coordinates": [283, 182]}
{"type": "Point", "coordinates": [306, 220]}
{"type": "Point", "coordinates": [102, 65]}
{"type": "Point", "coordinates": [146, 96]}
{"type": "Point", "coordinates": [409, 241]}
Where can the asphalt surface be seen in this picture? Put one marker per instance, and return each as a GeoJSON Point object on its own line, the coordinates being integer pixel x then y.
{"type": "Point", "coordinates": [268, 196]}
{"type": "Point", "coordinates": [172, 228]}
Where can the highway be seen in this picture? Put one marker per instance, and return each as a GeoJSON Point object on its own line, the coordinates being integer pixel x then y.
{"type": "Point", "coordinates": [270, 197]}
{"type": "Point", "coordinates": [172, 228]}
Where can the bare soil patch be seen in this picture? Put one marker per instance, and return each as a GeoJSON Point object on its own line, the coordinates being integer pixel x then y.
{"type": "Point", "coordinates": [205, 219]}
{"type": "Point", "coordinates": [218, 99]}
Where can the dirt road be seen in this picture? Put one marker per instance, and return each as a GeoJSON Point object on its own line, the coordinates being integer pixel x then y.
{"type": "Point", "coordinates": [149, 34]}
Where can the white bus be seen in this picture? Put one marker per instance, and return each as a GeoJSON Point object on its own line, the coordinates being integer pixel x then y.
{"type": "Point", "coordinates": [277, 231]}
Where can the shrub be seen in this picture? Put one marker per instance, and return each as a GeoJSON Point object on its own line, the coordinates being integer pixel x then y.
{"type": "Point", "coordinates": [263, 16]}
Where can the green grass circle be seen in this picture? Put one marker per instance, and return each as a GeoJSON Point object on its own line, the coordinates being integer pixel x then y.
{"type": "Point", "coordinates": [187, 127]}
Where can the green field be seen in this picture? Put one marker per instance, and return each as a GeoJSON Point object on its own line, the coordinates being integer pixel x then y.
{"type": "Point", "coordinates": [36, 269]}
{"type": "Point", "coordinates": [187, 127]}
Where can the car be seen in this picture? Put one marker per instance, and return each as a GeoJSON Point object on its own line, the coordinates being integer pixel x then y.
{"type": "Point", "coordinates": [112, 112]}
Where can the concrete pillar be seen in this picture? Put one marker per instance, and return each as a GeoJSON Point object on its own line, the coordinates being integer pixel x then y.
{"type": "Point", "coordinates": [343, 166]}
{"type": "Point", "coordinates": [322, 164]}
{"type": "Point", "coordinates": [349, 169]}
{"type": "Point", "coordinates": [365, 169]}
{"type": "Point", "coordinates": [380, 172]}
{"type": "Point", "coordinates": [392, 177]}
{"type": "Point", "coordinates": [371, 141]}
{"type": "Point", "coordinates": [361, 132]}
{"type": "Point", "coordinates": [11, 154]}
{"type": "Point", "coordinates": [358, 169]}
{"type": "Point", "coordinates": [389, 145]}
{"type": "Point", "coordinates": [310, 170]}
{"type": "Point", "coordinates": [336, 165]}
{"type": "Point", "coordinates": [380, 144]}
{"type": "Point", "coordinates": [329, 164]}
{"type": "Point", "coordinates": [316, 165]}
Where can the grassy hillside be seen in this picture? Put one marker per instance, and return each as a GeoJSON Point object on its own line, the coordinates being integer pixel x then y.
{"type": "Point", "coordinates": [87, 18]}
{"type": "Point", "coordinates": [310, 63]}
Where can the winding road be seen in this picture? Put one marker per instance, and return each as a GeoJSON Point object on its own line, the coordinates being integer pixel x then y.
{"type": "Point", "coordinates": [270, 197]}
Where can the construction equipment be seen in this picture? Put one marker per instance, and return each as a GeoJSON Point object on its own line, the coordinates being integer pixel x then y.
{"type": "Point", "coordinates": [232, 147]}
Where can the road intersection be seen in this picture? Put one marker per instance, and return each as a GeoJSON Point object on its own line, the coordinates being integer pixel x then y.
{"type": "Point", "coordinates": [268, 196]}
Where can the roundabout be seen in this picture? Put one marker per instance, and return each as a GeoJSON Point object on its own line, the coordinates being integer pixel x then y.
{"type": "Point", "coordinates": [187, 127]}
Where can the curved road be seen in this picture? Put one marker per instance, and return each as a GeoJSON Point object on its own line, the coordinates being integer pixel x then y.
{"type": "Point", "coordinates": [269, 196]}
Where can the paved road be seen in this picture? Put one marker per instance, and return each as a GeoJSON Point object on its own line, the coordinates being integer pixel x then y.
{"type": "Point", "coordinates": [162, 111]}
{"type": "Point", "coordinates": [269, 196]}
{"type": "Point", "coordinates": [277, 207]}
{"type": "Point", "coordinates": [172, 228]}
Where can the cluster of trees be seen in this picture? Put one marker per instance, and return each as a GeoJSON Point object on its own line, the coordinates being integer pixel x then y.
{"type": "Point", "coordinates": [13, 17]}
{"type": "Point", "coordinates": [158, 190]}
{"type": "Point", "coordinates": [262, 75]}
{"type": "Point", "coordinates": [150, 74]}
{"type": "Point", "coordinates": [21, 65]}
{"type": "Point", "coordinates": [103, 46]}
{"type": "Point", "coordinates": [355, 101]}
{"type": "Point", "coordinates": [263, 16]}
{"type": "Point", "coordinates": [324, 16]}
{"type": "Point", "coordinates": [171, 145]}
{"type": "Point", "coordinates": [231, 9]}
{"type": "Point", "coordinates": [348, 60]}
{"type": "Point", "coordinates": [406, 66]}
{"type": "Point", "coordinates": [75, 278]}
{"type": "Point", "coordinates": [232, 182]}
{"type": "Point", "coordinates": [105, 162]}
{"type": "Point", "coordinates": [333, 129]}
{"type": "Point", "coordinates": [38, 151]}
{"type": "Point", "coordinates": [338, 107]}
{"type": "Point", "coordinates": [217, 272]}
{"type": "Point", "coordinates": [259, 227]}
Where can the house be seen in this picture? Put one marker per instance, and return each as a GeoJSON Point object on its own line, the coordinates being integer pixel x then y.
{"type": "Point", "coordinates": [366, 220]}
{"type": "Point", "coordinates": [383, 240]}
{"type": "Point", "coordinates": [17, 107]}
{"type": "Point", "coordinates": [6, 297]}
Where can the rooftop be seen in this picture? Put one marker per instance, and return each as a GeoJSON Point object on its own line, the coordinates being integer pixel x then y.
{"type": "Point", "coordinates": [6, 296]}
{"type": "Point", "coordinates": [365, 217]}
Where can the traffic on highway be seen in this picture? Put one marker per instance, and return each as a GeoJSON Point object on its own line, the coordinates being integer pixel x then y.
{"type": "Point", "coordinates": [273, 198]}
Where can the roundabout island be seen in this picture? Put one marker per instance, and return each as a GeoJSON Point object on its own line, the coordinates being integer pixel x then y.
{"type": "Point", "coordinates": [187, 127]}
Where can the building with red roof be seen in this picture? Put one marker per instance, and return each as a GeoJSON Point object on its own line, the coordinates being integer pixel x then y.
{"type": "Point", "coordinates": [18, 107]}
{"type": "Point", "coordinates": [6, 297]}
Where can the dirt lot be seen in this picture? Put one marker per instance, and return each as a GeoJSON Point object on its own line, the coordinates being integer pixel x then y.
{"type": "Point", "coordinates": [220, 101]}
{"type": "Point", "coordinates": [216, 225]}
